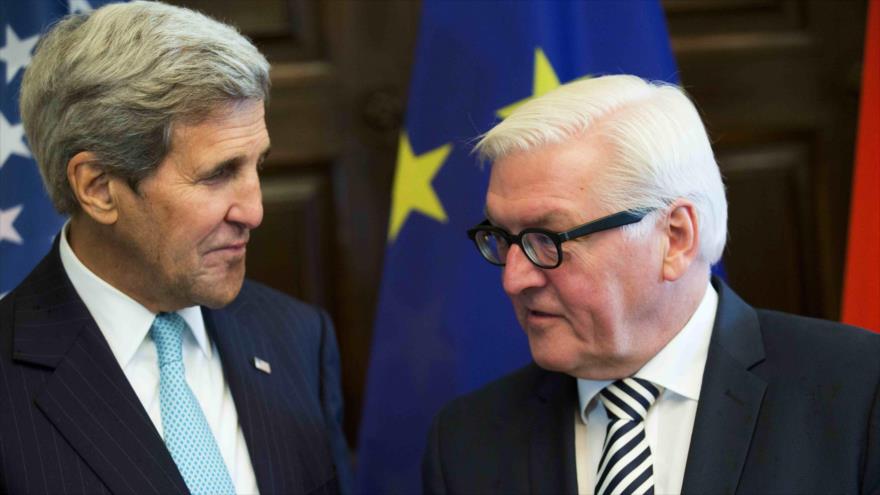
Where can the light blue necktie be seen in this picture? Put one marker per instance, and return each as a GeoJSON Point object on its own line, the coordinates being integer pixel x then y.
{"type": "Point", "coordinates": [187, 434]}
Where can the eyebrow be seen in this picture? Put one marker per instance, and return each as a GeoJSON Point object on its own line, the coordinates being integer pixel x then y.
{"type": "Point", "coordinates": [237, 160]}
{"type": "Point", "coordinates": [543, 219]}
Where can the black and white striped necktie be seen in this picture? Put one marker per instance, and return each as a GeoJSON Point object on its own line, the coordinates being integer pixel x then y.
{"type": "Point", "coordinates": [626, 465]}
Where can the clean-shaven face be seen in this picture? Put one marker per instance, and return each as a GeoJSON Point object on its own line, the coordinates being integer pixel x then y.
{"type": "Point", "coordinates": [188, 224]}
{"type": "Point", "coordinates": [591, 316]}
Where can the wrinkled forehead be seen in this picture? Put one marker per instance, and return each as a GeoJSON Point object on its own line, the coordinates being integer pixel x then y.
{"type": "Point", "coordinates": [573, 165]}
{"type": "Point", "coordinates": [583, 155]}
{"type": "Point", "coordinates": [228, 113]}
{"type": "Point", "coordinates": [215, 110]}
{"type": "Point", "coordinates": [552, 181]}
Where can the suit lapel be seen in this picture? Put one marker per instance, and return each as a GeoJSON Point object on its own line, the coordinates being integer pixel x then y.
{"type": "Point", "coordinates": [86, 395]}
{"type": "Point", "coordinates": [551, 433]}
{"type": "Point", "coordinates": [280, 419]}
{"type": "Point", "coordinates": [730, 399]}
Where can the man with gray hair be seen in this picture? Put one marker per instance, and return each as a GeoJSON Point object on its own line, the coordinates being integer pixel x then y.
{"type": "Point", "coordinates": [605, 210]}
{"type": "Point", "coordinates": [135, 358]}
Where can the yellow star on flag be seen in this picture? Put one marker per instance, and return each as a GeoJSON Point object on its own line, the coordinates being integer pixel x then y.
{"type": "Point", "coordinates": [544, 80]}
{"type": "Point", "coordinates": [412, 185]}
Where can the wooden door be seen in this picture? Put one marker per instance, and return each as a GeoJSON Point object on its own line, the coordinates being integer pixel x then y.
{"type": "Point", "coordinates": [777, 83]}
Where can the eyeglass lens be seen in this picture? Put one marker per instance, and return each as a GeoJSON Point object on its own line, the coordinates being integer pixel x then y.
{"type": "Point", "coordinates": [538, 247]}
{"type": "Point", "coordinates": [493, 247]}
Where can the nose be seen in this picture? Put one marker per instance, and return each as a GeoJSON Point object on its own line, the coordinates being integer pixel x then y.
{"type": "Point", "coordinates": [247, 208]}
{"type": "Point", "coordinates": [519, 273]}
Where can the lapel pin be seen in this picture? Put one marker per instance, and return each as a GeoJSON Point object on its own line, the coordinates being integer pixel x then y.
{"type": "Point", "coordinates": [263, 366]}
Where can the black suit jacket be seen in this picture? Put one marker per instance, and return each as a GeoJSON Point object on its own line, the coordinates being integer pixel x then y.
{"type": "Point", "coordinates": [788, 405]}
{"type": "Point", "coordinates": [70, 422]}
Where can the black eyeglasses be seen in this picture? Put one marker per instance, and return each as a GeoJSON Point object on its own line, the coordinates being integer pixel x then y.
{"type": "Point", "coordinates": [542, 247]}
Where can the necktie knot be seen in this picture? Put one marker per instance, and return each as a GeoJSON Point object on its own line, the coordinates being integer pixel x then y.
{"type": "Point", "coordinates": [629, 399]}
{"type": "Point", "coordinates": [167, 333]}
{"type": "Point", "coordinates": [626, 465]}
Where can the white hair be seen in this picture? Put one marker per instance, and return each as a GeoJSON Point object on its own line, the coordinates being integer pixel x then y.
{"type": "Point", "coordinates": [660, 150]}
{"type": "Point", "coordinates": [115, 81]}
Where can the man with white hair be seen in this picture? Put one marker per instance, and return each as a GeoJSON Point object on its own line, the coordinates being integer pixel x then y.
{"type": "Point", "coordinates": [135, 358]}
{"type": "Point", "coordinates": [605, 210]}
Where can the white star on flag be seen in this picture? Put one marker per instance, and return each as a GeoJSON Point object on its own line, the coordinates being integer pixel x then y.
{"type": "Point", "coordinates": [17, 52]}
{"type": "Point", "coordinates": [7, 229]}
{"type": "Point", "coordinates": [79, 6]}
{"type": "Point", "coordinates": [11, 140]}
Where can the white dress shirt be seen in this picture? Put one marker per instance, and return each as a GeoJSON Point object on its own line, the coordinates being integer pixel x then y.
{"type": "Point", "coordinates": [678, 369]}
{"type": "Point", "coordinates": [125, 324]}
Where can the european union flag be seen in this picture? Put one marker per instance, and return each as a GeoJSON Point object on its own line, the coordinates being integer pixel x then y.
{"type": "Point", "coordinates": [444, 326]}
{"type": "Point", "coordinates": [28, 222]}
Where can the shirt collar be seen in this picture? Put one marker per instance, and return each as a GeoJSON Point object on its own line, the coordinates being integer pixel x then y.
{"type": "Point", "coordinates": [678, 367]}
{"type": "Point", "coordinates": [124, 322]}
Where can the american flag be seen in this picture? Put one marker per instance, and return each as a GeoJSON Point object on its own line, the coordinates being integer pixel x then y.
{"type": "Point", "coordinates": [28, 223]}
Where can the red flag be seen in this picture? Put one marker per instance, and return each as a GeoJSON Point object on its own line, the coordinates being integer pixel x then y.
{"type": "Point", "coordinates": [861, 287]}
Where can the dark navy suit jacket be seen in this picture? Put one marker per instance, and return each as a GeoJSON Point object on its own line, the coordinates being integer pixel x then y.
{"type": "Point", "coordinates": [788, 405]}
{"type": "Point", "coordinates": [70, 422]}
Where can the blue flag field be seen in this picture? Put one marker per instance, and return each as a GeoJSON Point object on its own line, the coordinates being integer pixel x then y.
{"type": "Point", "coordinates": [28, 223]}
{"type": "Point", "coordinates": [444, 326]}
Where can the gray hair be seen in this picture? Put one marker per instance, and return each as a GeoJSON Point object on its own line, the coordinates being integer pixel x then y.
{"type": "Point", "coordinates": [115, 81]}
{"type": "Point", "coordinates": [660, 148]}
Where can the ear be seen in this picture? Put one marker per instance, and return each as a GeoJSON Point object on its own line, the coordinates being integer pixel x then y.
{"type": "Point", "coordinates": [93, 187]}
{"type": "Point", "coordinates": [683, 239]}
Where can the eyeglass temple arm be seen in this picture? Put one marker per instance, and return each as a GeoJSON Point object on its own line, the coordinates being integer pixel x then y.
{"type": "Point", "coordinates": [605, 223]}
